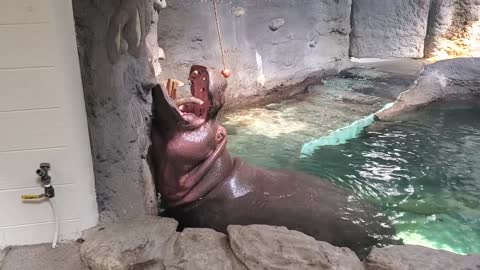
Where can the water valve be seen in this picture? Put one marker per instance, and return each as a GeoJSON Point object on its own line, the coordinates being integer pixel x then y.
{"type": "Point", "coordinates": [49, 191]}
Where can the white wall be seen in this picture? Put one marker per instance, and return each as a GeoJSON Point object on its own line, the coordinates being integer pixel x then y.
{"type": "Point", "coordinates": [42, 119]}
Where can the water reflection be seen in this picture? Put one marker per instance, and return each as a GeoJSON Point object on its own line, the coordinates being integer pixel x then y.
{"type": "Point", "coordinates": [423, 171]}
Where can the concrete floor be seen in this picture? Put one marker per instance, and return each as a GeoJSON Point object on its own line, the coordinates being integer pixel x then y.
{"type": "Point", "coordinates": [43, 257]}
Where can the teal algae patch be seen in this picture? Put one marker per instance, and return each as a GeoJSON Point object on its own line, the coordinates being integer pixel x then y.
{"type": "Point", "coordinates": [341, 135]}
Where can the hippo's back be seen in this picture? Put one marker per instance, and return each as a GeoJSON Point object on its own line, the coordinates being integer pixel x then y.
{"type": "Point", "coordinates": [297, 201]}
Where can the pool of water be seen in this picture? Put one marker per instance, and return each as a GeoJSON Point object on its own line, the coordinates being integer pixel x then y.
{"type": "Point", "coordinates": [423, 170]}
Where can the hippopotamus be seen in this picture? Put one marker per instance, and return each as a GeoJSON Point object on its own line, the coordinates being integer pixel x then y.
{"type": "Point", "coordinates": [201, 185]}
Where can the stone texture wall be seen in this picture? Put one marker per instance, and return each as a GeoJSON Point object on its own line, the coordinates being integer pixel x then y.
{"type": "Point", "coordinates": [454, 29]}
{"type": "Point", "coordinates": [154, 243]}
{"type": "Point", "coordinates": [266, 43]}
{"type": "Point", "coordinates": [388, 28]}
{"type": "Point", "coordinates": [119, 63]}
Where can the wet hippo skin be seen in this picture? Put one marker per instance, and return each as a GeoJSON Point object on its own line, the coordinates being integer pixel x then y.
{"type": "Point", "coordinates": [201, 185]}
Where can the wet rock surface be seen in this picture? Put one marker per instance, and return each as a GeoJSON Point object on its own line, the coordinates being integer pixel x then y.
{"type": "Point", "coordinates": [383, 84]}
{"type": "Point", "coordinates": [444, 80]}
{"type": "Point", "coordinates": [388, 28]}
{"type": "Point", "coordinates": [267, 247]}
{"type": "Point", "coordinates": [410, 257]}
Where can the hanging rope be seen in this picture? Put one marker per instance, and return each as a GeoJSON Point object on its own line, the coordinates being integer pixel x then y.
{"type": "Point", "coordinates": [225, 72]}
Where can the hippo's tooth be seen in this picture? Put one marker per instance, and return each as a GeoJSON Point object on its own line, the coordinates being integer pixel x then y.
{"type": "Point", "coordinates": [188, 100]}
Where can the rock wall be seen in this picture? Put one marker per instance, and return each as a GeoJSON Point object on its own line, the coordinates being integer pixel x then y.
{"type": "Point", "coordinates": [388, 28]}
{"type": "Point", "coordinates": [119, 63]}
{"type": "Point", "coordinates": [266, 44]}
{"type": "Point", "coordinates": [411, 28]}
{"type": "Point", "coordinates": [454, 29]}
{"type": "Point", "coordinates": [444, 80]}
{"type": "Point", "coordinates": [154, 243]}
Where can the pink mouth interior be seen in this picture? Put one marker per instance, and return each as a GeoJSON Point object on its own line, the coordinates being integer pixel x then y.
{"type": "Point", "coordinates": [199, 89]}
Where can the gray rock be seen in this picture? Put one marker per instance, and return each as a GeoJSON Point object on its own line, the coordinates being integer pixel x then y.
{"type": "Point", "coordinates": [443, 80]}
{"type": "Point", "coordinates": [3, 254]}
{"type": "Point", "coordinates": [453, 28]}
{"type": "Point", "coordinates": [267, 247]}
{"type": "Point", "coordinates": [116, 78]}
{"type": "Point", "coordinates": [41, 257]}
{"type": "Point", "coordinates": [411, 257]}
{"type": "Point", "coordinates": [260, 59]}
{"type": "Point", "coordinates": [140, 243]}
{"type": "Point", "coordinates": [388, 28]}
{"type": "Point", "coordinates": [238, 11]}
{"type": "Point", "coordinates": [203, 249]}
{"type": "Point", "coordinates": [275, 24]}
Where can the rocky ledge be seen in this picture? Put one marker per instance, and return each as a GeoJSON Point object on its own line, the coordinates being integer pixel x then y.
{"type": "Point", "coordinates": [153, 243]}
{"type": "Point", "coordinates": [445, 80]}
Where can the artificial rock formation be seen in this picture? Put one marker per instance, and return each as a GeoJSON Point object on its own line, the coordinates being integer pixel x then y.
{"type": "Point", "coordinates": [202, 249]}
{"type": "Point", "coordinates": [454, 29]}
{"type": "Point", "coordinates": [137, 243]}
{"type": "Point", "coordinates": [119, 58]}
{"type": "Point", "coordinates": [266, 44]}
{"type": "Point", "coordinates": [266, 247]}
{"type": "Point", "coordinates": [388, 28]}
{"type": "Point", "coordinates": [444, 80]}
{"type": "Point", "coordinates": [153, 243]}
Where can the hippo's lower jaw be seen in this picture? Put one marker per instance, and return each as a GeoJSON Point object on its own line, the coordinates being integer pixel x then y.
{"type": "Point", "coordinates": [191, 183]}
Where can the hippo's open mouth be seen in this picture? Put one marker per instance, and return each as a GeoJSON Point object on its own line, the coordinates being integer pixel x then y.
{"type": "Point", "coordinates": [207, 98]}
{"type": "Point", "coordinates": [195, 109]}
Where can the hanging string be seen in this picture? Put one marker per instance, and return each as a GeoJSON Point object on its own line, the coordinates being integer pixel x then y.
{"type": "Point", "coordinates": [225, 72]}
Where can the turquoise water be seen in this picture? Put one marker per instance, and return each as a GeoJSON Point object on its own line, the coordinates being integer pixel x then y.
{"type": "Point", "coordinates": [422, 170]}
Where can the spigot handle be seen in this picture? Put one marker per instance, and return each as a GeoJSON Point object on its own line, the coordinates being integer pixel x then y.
{"type": "Point", "coordinates": [33, 197]}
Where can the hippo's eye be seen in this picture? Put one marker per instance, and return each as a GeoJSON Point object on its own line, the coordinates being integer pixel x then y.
{"type": "Point", "coordinates": [202, 90]}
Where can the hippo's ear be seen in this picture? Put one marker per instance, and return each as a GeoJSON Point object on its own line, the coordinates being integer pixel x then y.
{"type": "Point", "coordinates": [164, 111]}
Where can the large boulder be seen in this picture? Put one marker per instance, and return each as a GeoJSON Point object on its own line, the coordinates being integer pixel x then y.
{"type": "Point", "coordinates": [453, 29]}
{"type": "Point", "coordinates": [388, 28]}
{"type": "Point", "coordinates": [267, 247]}
{"type": "Point", "coordinates": [443, 80]}
{"type": "Point", "coordinates": [410, 257]}
{"type": "Point", "coordinates": [140, 243]}
{"type": "Point", "coordinates": [265, 43]}
{"type": "Point", "coordinates": [203, 249]}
